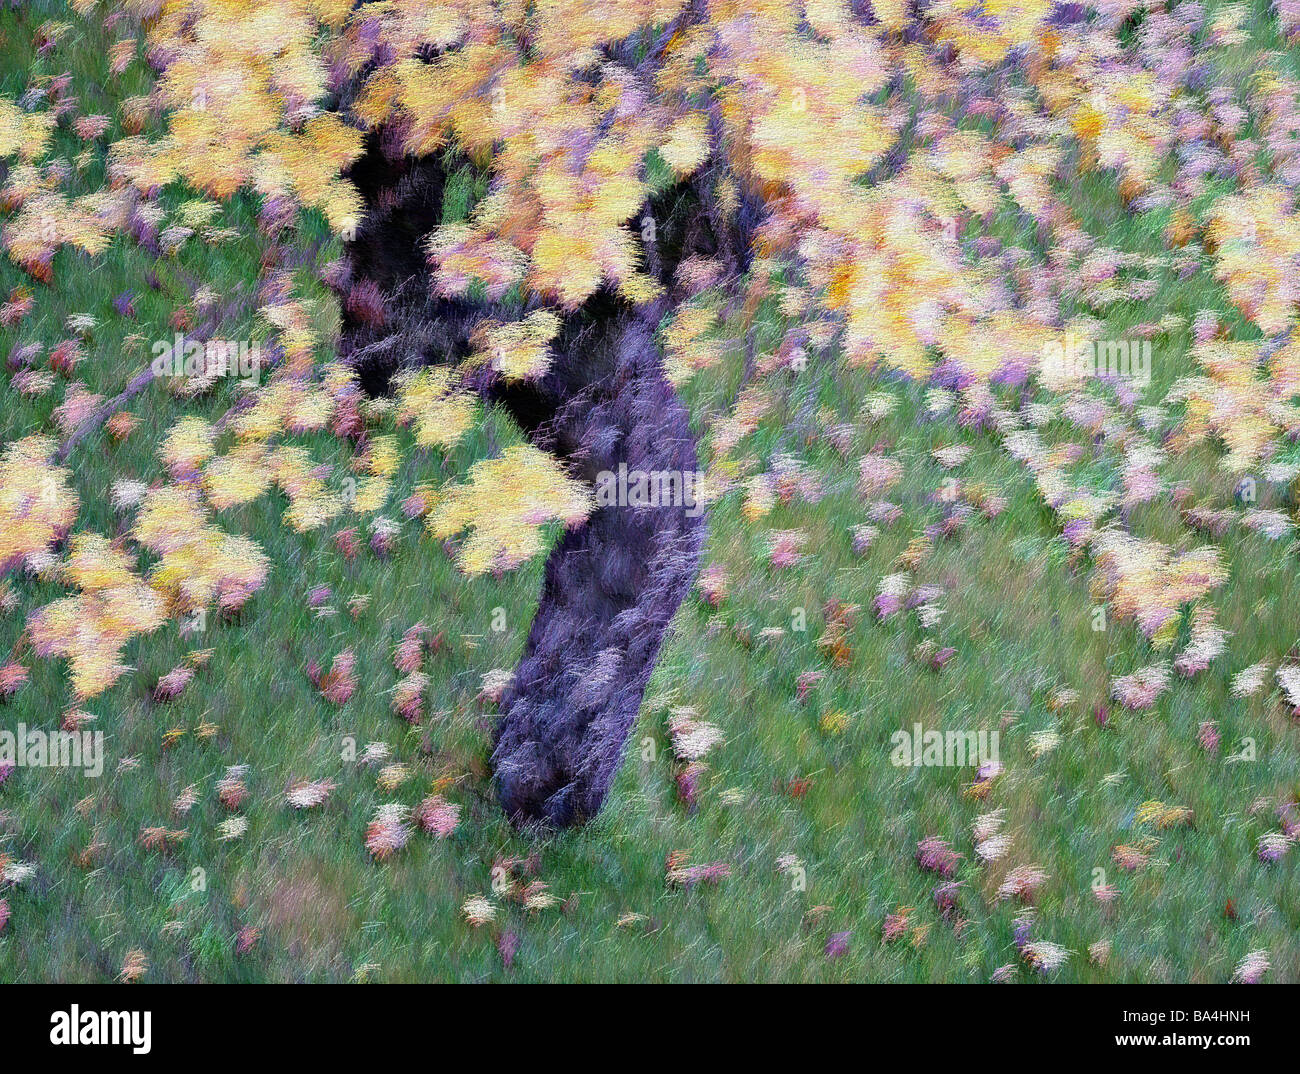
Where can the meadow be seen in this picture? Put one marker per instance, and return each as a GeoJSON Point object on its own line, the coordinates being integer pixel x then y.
{"type": "Point", "coordinates": [1111, 843]}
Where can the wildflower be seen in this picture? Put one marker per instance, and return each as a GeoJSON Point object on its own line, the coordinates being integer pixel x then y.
{"type": "Point", "coordinates": [1288, 677]}
{"type": "Point", "coordinates": [689, 781]}
{"type": "Point", "coordinates": [692, 737]}
{"type": "Point", "coordinates": [135, 966]}
{"type": "Point", "coordinates": [1022, 882]}
{"type": "Point", "coordinates": [418, 504]}
{"type": "Point", "coordinates": [876, 474]}
{"type": "Point", "coordinates": [507, 947]}
{"type": "Point", "coordinates": [232, 828]}
{"type": "Point", "coordinates": [883, 512]}
{"type": "Point", "coordinates": [834, 723]}
{"type": "Point", "coordinates": [246, 939]}
{"type": "Point", "coordinates": [789, 864]}
{"type": "Point", "coordinates": [231, 789]}
{"type": "Point", "coordinates": [993, 847]}
{"type": "Point", "coordinates": [408, 697]}
{"type": "Point", "coordinates": [37, 502]}
{"type": "Point", "coordinates": [1045, 956]}
{"type": "Point", "coordinates": [1273, 846]}
{"type": "Point", "coordinates": [863, 536]}
{"type": "Point", "coordinates": [13, 872]}
{"type": "Point", "coordinates": [125, 494]}
{"type": "Point", "coordinates": [495, 684]}
{"type": "Point", "coordinates": [437, 816]}
{"type": "Point", "coordinates": [308, 795]}
{"type": "Point", "coordinates": [1251, 968]}
{"type": "Point", "coordinates": [534, 489]}
{"type": "Point", "coordinates": [1206, 643]}
{"type": "Point", "coordinates": [340, 682]}
{"type": "Point", "coordinates": [806, 682]}
{"type": "Point", "coordinates": [121, 424]}
{"type": "Point", "coordinates": [388, 831]}
{"type": "Point", "coordinates": [375, 753]}
{"type": "Point", "coordinates": [1131, 857]}
{"type": "Point", "coordinates": [1141, 689]}
{"type": "Point", "coordinates": [479, 911]}
{"type": "Point", "coordinates": [346, 542]}
{"type": "Point", "coordinates": [185, 801]}
{"type": "Point", "coordinates": [934, 855]}
{"type": "Point", "coordinates": [680, 873]}
{"type": "Point", "coordinates": [945, 897]}
{"type": "Point", "coordinates": [785, 548]}
{"type": "Point", "coordinates": [536, 897]}
{"type": "Point", "coordinates": [66, 356]}
{"type": "Point", "coordinates": [171, 684]}
{"type": "Point", "coordinates": [32, 383]}
{"type": "Point", "coordinates": [984, 777]}
{"type": "Point", "coordinates": [409, 654]}
{"type": "Point", "coordinates": [1249, 681]}
{"type": "Point", "coordinates": [837, 945]}
{"type": "Point", "coordinates": [951, 457]}
{"type": "Point", "coordinates": [834, 643]}
{"type": "Point", "coordinates": [12, 677]}
{"type": "Point", "coordinates": [893, 588]}
{"type": "Point", "coordinates": [162, 839]}
{"type": "Point", "coordinates": [1289, 814]}
{"type": "Point", "coordinates": [896, 924]}
{"type": "Point", "coordinates": [1273, 525]}
{"type": "Point", "coordinates": [1041, 742]}
{"type": "Point", "coordinates": [1208, 736]}
{"type": "Point", "coordinates": [393, 776]}
{"type": "Point", "coordinates": [987, 825]}
{"type": "Point", "coordinates": [712, 584]}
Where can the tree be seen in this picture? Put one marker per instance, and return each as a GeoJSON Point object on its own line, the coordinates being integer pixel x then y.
{"type": "Point", "coordinates": [554, 206]}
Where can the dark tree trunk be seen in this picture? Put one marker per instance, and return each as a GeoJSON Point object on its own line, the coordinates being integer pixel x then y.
{"type": "Point", "coordinates": [612, 585]}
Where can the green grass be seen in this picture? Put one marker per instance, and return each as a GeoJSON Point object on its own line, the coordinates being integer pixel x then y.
{"type": "Point", "coordinates": [1019, 613]}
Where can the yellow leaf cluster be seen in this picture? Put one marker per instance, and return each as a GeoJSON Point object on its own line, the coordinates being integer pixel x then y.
{"type": "Point", "coordinates": [92, 629]}
{"type": "Point", "coordinates": [687, 350]}
{"type": "Point", "coordinates": [237, 477]}
{"type": "Point", "coordinates": [1148, 581]}
{"type": "Point", "coordinates": [504, 503]}
{"type": "Point", "coordinates": [25, 133]}
{"type": "Point", "coordinates": [312, 503]}
{"type": "Point", "coordinates": [429, 400]}
{"type": "Point", "coordinates": [1256, 237]}
{"type": "Point", "coordinates": [37, 503]}
{"type": "Point", "coordinates": [198, 562]}
{"type": "Point", "coordinates": [568, 149]}
{"type": "Point", "coordinates": [518, 350]}
{"type": "Point", "coordinates": [187, 446]}
{"type": "Point", "coordinates": [242, 85]}
{"type": "Point", "coordinates": [1233, 402]}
